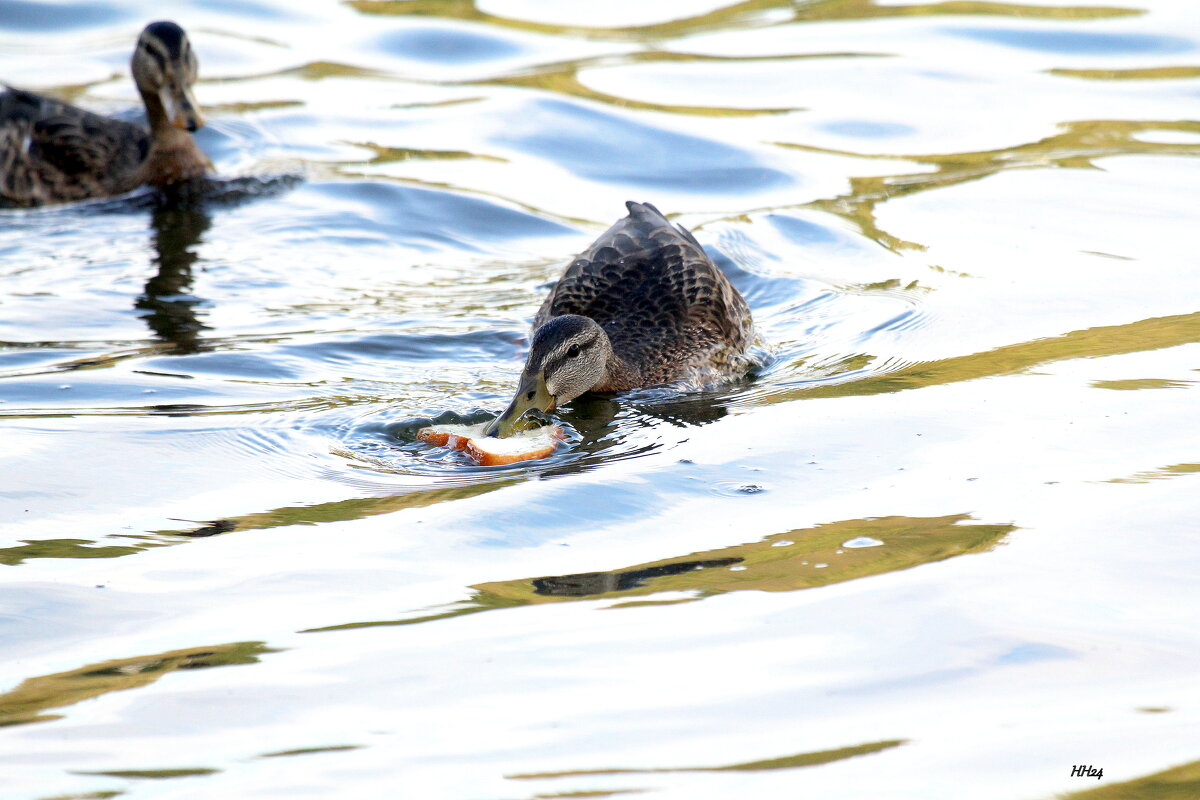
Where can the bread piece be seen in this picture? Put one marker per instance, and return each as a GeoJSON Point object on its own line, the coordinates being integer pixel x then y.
{"type": "Point", "coordinates": [490, 451]}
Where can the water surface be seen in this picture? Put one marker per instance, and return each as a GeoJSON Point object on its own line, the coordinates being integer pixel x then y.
{"type": "Point", "coordinates": [941, 542]}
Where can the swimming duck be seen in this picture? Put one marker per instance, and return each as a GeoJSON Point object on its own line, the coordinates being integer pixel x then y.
{"type": "Point", "coordinates": [644, 305]}
{"type": "Point", "coordinates": [52, 152]}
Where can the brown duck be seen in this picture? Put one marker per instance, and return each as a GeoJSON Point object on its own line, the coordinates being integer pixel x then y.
{"type": "Point", "coordinates": [52, 152]}
{"type": "Point", "coordinates": [644, 305]}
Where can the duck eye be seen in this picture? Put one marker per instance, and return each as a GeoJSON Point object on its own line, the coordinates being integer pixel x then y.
{"type": "Point", "coordinates": [573, 351]}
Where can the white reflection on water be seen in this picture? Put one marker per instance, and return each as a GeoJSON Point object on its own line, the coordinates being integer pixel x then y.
{"type": "Point", "coordinates": [966, 241]}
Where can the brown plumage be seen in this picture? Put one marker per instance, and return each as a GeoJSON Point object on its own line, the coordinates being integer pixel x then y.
{"type": "Point", "coordinates": [668, 310]}
{"type": "Point", "coordinates": [644, 305]}
{"type": "Point", "coordinates": [53, 152]}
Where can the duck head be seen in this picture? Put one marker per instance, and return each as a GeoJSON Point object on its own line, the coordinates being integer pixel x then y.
{"type": "Point", "coordinates": [164, 68]}
{"type": "Point", "coordinates": [569, 355]}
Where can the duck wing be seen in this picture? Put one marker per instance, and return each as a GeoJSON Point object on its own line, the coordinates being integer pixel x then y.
{"type": "Point", "coordinates": [52, 151]}
{"type": "Point", "coordinates": [655, 291]}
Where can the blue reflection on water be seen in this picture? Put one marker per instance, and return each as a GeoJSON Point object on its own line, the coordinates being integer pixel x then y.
{"type": "Point", "coordinates": [802, 231]}
{"type": "Point", "coordinates": [446, 45]}
{"type": "Point", "coordinates": [866, 129]}
{"type": "Point", "coordinates": [1078, 41]}
{"type": "Point", "coordinates": [485, 346]}
{"type": "Point", "coordinates": [25, 16]}
{"type": "Point", "coordinates": [586, 506]}
{"type": "Point", "coordinates": [415, 216]}
{"type": "Point", "coordinates": [1034, 651]}
{"type": "Point", "coordinates": [613, 149]}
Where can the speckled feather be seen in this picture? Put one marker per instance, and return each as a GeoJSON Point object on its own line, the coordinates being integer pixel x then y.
{"type": "Point", "coordinates": [668, 310]}
{"type": "Point", "coordinates": [51, 151]}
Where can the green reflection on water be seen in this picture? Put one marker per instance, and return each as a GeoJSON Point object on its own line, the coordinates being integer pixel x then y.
{"type": "Point", "coordinates": [1135, 337]}
{"type": "Point", "coordinates": [1171, 471]}
{"type": "Point", "coordinates": [64, 548]}
{"type": "Point", "coordinates": [800, 559]}
{"type": "Point", "coordinates": [786, 561]}
{"type": "Point", "coordinates": [1141, 383]}
{"type": "Point", "coordinates": [312, 71]}
{"type": "Point", "coordinates": [388, 154]}
{"type": "Point", "coordinates": [1177, 783]}
{"type": "Point", "coordinates": [247, 107]}
{"type": "Point", "coordinates": [33, 696]}
{"type": "Point", "coordinates": [180, 772]}
{"type": "Point", "coordinates": [786, 762]}
{"type": "Point", "coordinates": [304, 751]}
{"type": "Point", "coordinates": [596, 793]}
{"type": "Point", "coordinates": [480, 602]}
{"type": "Point", "coordinates": [338, 511]}
{"type": "Point", "coordinates": [748, 14]}
{"type": "Point", "coordinates": [563, 78]}
{"type": "Point", "coordinates": [1143, 74]}
{"type": "Point", "coordinates": [355, 508]}
{"type": "Point", "coordinates": [1078, 146]}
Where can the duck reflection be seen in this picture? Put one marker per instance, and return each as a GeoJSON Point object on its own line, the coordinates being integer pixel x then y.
{"type": "Point", "coordinates": [600, 582]}
{"type": "Point", "coordinates": [593, 413]}
{"type": "Point", "coordinates": [624, 427]}
{"type": "Point", "coordinates": [171, 312]}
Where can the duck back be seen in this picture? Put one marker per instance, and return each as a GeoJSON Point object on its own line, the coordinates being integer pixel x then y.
{"type": "Point", "coordinates": [666, 307]}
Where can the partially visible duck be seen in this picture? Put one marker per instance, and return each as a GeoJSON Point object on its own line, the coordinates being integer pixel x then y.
{"type": "Point", "coordinates": [644, 305]}
{"type": "Point", "coordinates": [53, 152]}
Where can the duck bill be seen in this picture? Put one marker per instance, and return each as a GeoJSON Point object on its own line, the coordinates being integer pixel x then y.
{"type": "Point", "coordinates": [531, 393]}
{"type": "Point", "coordinates": [182, 110]}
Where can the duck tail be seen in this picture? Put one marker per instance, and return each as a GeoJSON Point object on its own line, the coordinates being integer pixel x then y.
{"type": "Point", "coordinates": [648, 215]}
{"type": "Point", "coordinates": [646, 212]}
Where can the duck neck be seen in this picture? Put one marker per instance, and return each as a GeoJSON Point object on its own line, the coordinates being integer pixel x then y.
{"type": "Point", "coordinates": [619, 373]}
{"type": "Point", "coordinates": [173, 156]}
{"type": "Point", "coordinates": [156, 114]}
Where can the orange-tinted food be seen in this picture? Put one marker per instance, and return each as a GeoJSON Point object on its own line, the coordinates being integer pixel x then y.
{"type": "Point", "coordinates": [490, 451]}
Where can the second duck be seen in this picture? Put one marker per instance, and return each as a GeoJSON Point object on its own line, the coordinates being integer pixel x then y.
{"type": "Point", "coordinates": [52, 152]}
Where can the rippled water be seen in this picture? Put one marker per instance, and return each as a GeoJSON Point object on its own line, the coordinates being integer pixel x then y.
{"type": "Point", "coordinates": [967, 234]}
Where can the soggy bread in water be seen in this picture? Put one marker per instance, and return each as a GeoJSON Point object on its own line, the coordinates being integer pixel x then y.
{"type": "Point", "coordinates": [490, 451]}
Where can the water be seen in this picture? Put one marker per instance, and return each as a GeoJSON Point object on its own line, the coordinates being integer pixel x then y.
{"type": "Point", "coordinates": [966, 232]}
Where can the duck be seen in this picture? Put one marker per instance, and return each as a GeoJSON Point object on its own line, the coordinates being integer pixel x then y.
{"type": "Point", "coordinates": [53, 152]}
{"type": "Point", "coordinates": [643, 306]}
